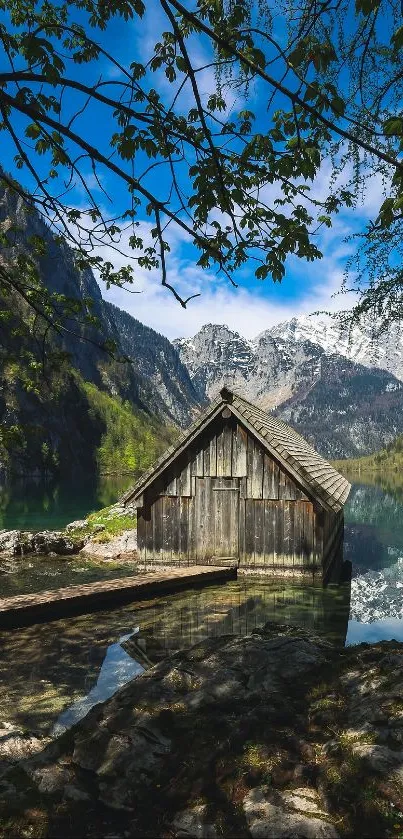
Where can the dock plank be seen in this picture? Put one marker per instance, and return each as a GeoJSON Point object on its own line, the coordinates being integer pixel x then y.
{"type": "Point", "coordinates": [26, 609]}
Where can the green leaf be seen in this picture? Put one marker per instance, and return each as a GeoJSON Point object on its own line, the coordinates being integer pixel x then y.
{"type": "Point", "coordinates": [366, 6]}
{"type": "Point", "coordinates": [325, 220]}
{"type": "Point", "coordinates": [393, 127]}
{"type": "Point", "coordinates": [338, 105]}
{"type": "Point", "coordinates": [33, 130]}
{"type": "Point", "coordinates": [297, 56]}
{"type": "Point", "coordinates": [181, 64]}
{"type": "Point", "coordinates": [397, 38]}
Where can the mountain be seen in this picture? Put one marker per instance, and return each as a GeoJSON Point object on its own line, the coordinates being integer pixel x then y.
{"type": "Point", "coordinates": [263, 370]}
{"type": "Point", "coordinates": [157, 362]}
{"type": "Point", "coordinates": [343, 408]}
{"type": "Point", "coordinates": [347, 409]}
{"type": "Point", "coordinates": [60, 275]}
{"type": "Point", "coordinates": [365, 344]}
{"type": "Point", "coordinates": [89, 411]}
{"type": "Point", "coordinates": [344, 395]}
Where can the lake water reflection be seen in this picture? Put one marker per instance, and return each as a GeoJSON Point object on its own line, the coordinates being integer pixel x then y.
{"type": "Point", "coordinates": [37, 504]}
{"type": "Point", "coordinates": [51, 674]}
{"type": "Point", "coordinates": [373, 543]}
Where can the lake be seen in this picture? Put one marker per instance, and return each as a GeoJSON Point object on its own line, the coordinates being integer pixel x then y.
{"type": "Point", "coordinates": [36, 504]}
{"type": "Point", "coordinates": [51, 674]}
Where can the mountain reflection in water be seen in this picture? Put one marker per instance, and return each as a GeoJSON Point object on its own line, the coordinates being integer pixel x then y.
{"type": "Point", "coordinates": [373, 542]}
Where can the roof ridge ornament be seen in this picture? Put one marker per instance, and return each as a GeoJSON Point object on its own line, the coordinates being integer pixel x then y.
{"type": "Point", "coordinates": [226, 394]}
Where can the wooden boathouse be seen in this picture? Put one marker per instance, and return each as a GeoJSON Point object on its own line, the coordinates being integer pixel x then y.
{"type": "Point", "coordinates": [240, 487]}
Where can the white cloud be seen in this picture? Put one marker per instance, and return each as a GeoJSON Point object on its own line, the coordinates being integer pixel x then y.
{"type": "Point", "coordinates": [246, 310]}
{"type": "Point", "coordinates": [242, 310]}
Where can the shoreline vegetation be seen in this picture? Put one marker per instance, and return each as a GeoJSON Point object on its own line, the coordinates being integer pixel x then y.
{"type": "Point", "coordinates": [388, 459]}
{"type": "Point", "coordinates": [110, 532]}
{"type": "Point", "coordinates": [108, 528]}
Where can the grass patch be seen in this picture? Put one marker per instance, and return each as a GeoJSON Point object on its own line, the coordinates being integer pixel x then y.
{"type": "Point", "coordinates": [257, 757]}
{"type": "Point", "coordinates": [348, 739]}
{"type": "Point", "coordinates": [114, 525]}
{"type": "Point", "coordinates": [319, 691]}
{"type": "Point", "coordinates": [329, 703]}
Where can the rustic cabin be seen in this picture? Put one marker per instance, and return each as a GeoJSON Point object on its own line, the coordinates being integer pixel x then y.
{"type": "Point", "coordinates": [240, 487]}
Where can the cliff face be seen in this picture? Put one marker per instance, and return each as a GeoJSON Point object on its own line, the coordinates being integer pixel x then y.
{"type": "Point", "coordinates": [156, 361]}
{"type": "Point", "coordinates": [60, 276]}
{"type": "Point", "coordinates": [267, 370]}
{"type": "Point", "coordinates": [156, 380]}
{"type": "Point", "coordinates": [59, 423]}
{"type": "Point", "coordinates": [341, 407]}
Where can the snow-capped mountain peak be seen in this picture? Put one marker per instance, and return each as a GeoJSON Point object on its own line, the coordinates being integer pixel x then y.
{"type": "Point", "coordinates": [364, 344]}
{"type": "Point", "coordinates": [313, 374]}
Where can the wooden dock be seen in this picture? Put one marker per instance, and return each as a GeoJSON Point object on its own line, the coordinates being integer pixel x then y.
{"type": "Point", "coordinates": [28, 609]}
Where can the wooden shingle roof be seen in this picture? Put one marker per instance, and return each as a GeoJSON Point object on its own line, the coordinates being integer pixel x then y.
{"type": "Point", "coordinates": [297, 457]}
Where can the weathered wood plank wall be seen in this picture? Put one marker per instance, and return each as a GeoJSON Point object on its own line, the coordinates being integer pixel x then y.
{"type": "Point", "coordinates": [227, 498]}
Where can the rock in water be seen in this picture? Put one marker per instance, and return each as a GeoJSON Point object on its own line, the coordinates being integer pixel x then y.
{"type": "Point", "coordinates": [10, 542]}
{"type": "Point", "coordinates": [19, 543]}
{"type": "Point", "coordinates": [123, 546]}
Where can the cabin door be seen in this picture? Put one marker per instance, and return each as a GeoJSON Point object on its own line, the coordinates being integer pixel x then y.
{"type": "Point", "coordinates": [217, 519]}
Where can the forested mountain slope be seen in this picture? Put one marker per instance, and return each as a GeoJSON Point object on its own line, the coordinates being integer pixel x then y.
{"type": "Point", "coordinates": [61, 413]}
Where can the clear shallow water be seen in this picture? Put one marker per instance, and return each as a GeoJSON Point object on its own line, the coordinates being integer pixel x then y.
{"type": "Point", "coordinates": [30, 574]}
{"type": "Point", "coordinates": [51, 674]}
{"type": "Point", "coordinates": [387, 629]}
{"type": "Point", "coordinates": [30, 504]}
{"type": "Point", "coordinates": [373, 542]}
{"type": "Point", "coordinates": [118, 667]}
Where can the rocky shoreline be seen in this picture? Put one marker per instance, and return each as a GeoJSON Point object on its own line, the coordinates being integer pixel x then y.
{"type": "Point", "coordinates": [91, 537]}
{"type": "Point", "coordinates": [274, 734]}
{"type": "Point", "coordinates": [22, 542]}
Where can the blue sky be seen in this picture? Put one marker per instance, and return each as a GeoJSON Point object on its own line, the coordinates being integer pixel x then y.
{"type": "Point", "coordinates": [254, 305]}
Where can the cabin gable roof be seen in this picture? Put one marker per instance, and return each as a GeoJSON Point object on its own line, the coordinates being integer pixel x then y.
{"type": "Point", "coordinates": [297, 457]}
